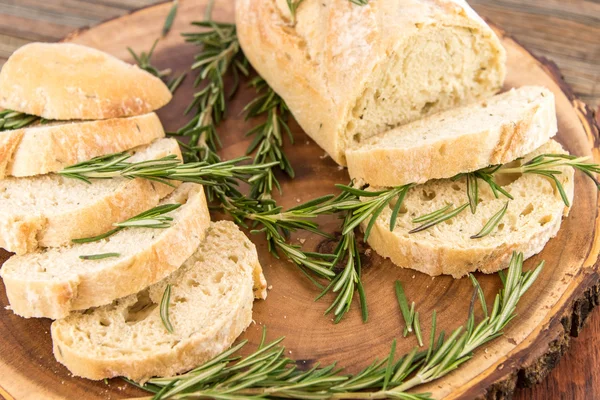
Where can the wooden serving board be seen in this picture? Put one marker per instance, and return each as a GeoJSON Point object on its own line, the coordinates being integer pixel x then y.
{"type": "Point", "coordinates": [553, 309]}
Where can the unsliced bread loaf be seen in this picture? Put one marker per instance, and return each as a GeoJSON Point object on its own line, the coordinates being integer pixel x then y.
{"type": "Point", "coordinates": [348, 72]}
{"type": "Point", "coordinates": [53, 282]}
{"type": "Point", "coordinates": [69, 81]}
{"type": "Point", "coordinates": [210, 305]}
{"type": "Point", "coordinates": [494, 131]}
{"type": "Point", "coordinates": [51, 210]}
{"type": "Point", "coordinates": [48, 148]}
{"type": "Point", "coordinates": [532, 218]}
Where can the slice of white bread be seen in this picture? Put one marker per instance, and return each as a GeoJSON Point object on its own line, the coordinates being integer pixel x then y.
{"type": "Point", "coordinates": [494, 131]}
{"type": "Point", "coordinates": [348, 72]}
{"type": "Point", "coordinates": [69, 81]}
{"type": "Point", "coordinates": [210, 305]}
{"type": "Point", "coordinates": [48, 148]}
{"type": "Point", "coordinates": [53, 282]}
{"type": "Point", "coordinates": [51, 210]}
{"type": "Point", "coordinates": [532, 218]}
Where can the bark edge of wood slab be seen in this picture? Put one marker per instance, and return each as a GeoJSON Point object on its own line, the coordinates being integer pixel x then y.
{"type": "Point", "coordinates": [26, 350]}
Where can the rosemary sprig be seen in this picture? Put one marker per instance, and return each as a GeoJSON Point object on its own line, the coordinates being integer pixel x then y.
{"type": "Point", "coordinates": [268, 373]}
{"type": "Point", "coordinates": [164, 309]}
{"type": "Point", "coordinates": [360, 2]}
{"type": "Point", "coordinates": [167, 168]}
{"type": "Point", "coordinates": [99, 256]}
{"type": "Point", "coordinates": [220, 54]}
{"type": "Point", "coordinates": [153, 218]}
{"type": "Point", "coordinates": [546, 164]}
{"type": "Point", "coordinates": [492, 223]}
{"type": "Point", "coordinates": [143, 60]}
{"type": "Point", "coordinates": [268, 136]}
{"type": "Point", "coordinates": [10, 120]}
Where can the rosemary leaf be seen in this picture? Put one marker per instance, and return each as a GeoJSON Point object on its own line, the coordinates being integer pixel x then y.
{"type": "Point", "coordinates": [164, 309]}
{"type": "Point", "coordinates": [492, 223]}
{"type": "Point", "coordinates": [170, 18]}
{"type": "Point", "coordinates": [480, 294]}
{"type": "Point", "coordinates": [97, 238]}
{"type": "Point", "coordinates": [472, 192]}
{"type": "Point", "coordinates": [403, 303]}
{"type": "Point", "coordinates": [99, 256]}
{"type": "Point", "coordinates": [441, 218]}
{"type": "Point", "coordinates": [417, 327]}
{"type": "Point", "coordinates": [433, 215]}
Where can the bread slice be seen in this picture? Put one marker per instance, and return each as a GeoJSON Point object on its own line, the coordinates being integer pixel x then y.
{"type": "Point", "coordinates": [69, 81]}
{"type": "Point", "coordinates": [348, 72]}
{"type": "Point", "coordinates": [48, 148]}
{"type": "Point", "coordinates": [210, 305]}
{"type": "Point", "coordinates": [51, 210]}
{"type": "Point", "coordinates": [53, 282]}
{"type": "Point", "coordinates": [494, 131]}
{"type": "Point", "coordinates": [532, 218]}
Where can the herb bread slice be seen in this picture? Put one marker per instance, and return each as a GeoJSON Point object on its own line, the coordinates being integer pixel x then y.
{"type": "Point", "coordinates": [64, 81]}
{"type": "Point", "coordinates": [51, 210]}
{"type": "Point", "coordinates": [532, 218]}
{"type": "Point", "coordinates": [51, 147]}
{"type": "Point", "coordinates": [53, 282]}
{"type": "Point", "coordinates": [349, 71]}
{"type": "Point", "coordinates": [210, 305]}
{"type": "Point", "coordinates": [494, 131]}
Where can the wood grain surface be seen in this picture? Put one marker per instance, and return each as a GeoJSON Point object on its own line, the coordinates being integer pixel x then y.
{"type": "Point", "coordinates": [574, 378]}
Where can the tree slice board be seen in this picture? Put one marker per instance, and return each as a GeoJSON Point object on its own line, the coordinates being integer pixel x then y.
{"type": "Point", "coordinates": [553, 310]}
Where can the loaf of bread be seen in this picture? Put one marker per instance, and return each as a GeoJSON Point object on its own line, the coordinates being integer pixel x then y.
{"type": "Point", "coordinates": [494, 131]}
{"type": "Point", "coordinates": [532, 218]}
{"type": "Point", "coordinates": [51, 210]}
{"type": "Point", "coordinates": [68, 81]}
{"type": "Point", "coordinates": [53, 282]}
{"type": "Point", "coordinates": [51, 147]}
{"type": "Point", "coordinates": [210, 305]}
{"type": "Point", "coordinates": [349, 72]}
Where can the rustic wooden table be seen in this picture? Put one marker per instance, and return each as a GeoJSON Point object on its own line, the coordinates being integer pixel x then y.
{"type": "Point", "coordinates": [565, 31]}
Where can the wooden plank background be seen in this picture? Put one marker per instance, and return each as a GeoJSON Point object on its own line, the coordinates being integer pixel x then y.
{"type": "Point", "coordinates": [565, 31]}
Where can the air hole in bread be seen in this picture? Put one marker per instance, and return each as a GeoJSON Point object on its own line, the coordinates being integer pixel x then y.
{"type": "Point", "coordinates": [500, 227]}
{"type": "Point", "coordinates": [455, 187]}
{"type": "Point", "coordinates": [104, 322]}
{"type": "Point", "coordinates": [442, 150]}
{"type": "Point", "coordinates": [141, 309]}
{"type": "Point", "coordinates": [350, 126]}
{"type": "Point", "coordinates": [235, 259]}
{"type": "Point", "coordinates": [527, 210]}
{"type": "Point", "coordinates": [427, 107]}
{"type": "Point", "coordinates": [356, 137]}
{"type": "Point", "coordinates": [427, 195]}
{"type": "Point", "coordinates": [180, 300]}
{"type": "Point", "coordinates": [544, 220]}
{"type": "Point", "coordinates": [193, 283]}
{"type": "Point", "coordinates": [217, 277]}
